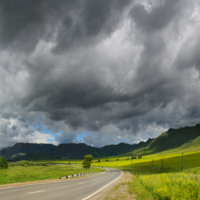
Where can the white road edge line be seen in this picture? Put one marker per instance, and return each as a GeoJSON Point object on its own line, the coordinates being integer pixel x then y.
{"type": "Point", "coordinates": [36, 192]}
{"type": "Point", "coordinates": [103, 187]}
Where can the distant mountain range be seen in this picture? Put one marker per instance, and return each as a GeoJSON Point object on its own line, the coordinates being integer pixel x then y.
{"type": "Point", "coordinates": [182, 138]}
{"type": "Point", "coordinates": [21, 149]}
{"type": "Point", "coordinates": [29, 151]}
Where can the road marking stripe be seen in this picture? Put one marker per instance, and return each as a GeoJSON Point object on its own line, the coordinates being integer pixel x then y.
{"type": "Point", "coordinates": [103, 187]}
{"type": "Point", "coordinates": [81, 183]}
{"type": "Point", "coordinates": [36, 192]}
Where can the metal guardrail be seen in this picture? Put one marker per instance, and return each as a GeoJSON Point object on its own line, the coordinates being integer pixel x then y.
{"type": "Point", "coordinates": [82, 174]}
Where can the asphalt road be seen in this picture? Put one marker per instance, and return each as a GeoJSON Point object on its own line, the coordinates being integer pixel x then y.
{"type": "Point", "coordinates": [75, 189]}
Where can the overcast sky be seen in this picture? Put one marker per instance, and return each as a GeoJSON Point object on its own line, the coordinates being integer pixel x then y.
{"type": "Point", "coordinates": [97, 71]}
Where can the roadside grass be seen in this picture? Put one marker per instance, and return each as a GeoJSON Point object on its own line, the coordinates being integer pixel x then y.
{"type": "Point", "coordinates": [137, 188]}
{"type": "Point", "coordinates": [177, 186]}
{"type": "Point", "coordinates": [18, 174]}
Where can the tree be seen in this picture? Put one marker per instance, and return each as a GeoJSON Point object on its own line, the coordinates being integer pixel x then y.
{"type": "Point", "coordinates": [87, 161]}
{"type": "Point", "coordinates": [3, 163]}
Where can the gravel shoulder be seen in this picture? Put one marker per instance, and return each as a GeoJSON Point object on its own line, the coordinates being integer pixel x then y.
{"type": "Point", "coordinates": [120, 190]}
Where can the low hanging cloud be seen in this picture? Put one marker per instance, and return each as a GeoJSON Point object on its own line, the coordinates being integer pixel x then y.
{"type": "Point", "coordinates": [119, 70]}
{"type": "Point", "coordinates": [19, 130]}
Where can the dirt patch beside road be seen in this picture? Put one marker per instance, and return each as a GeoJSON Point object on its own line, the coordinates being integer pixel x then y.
{"type": "Point", "coordinates": [120, 190]}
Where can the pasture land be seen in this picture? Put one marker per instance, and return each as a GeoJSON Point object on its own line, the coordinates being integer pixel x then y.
{"type": "Point", "coordinates": [159, 176]}
{"type": "Point", "coordinates": [152, 164]}
{"type": "Point", "coordinates": [18, 174]}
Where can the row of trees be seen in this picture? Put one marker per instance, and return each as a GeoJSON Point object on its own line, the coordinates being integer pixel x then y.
{"type": "Point", "coordinates": [133, 157]}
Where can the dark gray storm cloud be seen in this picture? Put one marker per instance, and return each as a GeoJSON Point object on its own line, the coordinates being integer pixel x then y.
{"type": "Point", "coordinates": [118, 70]}
{"type": "Point", "coordinates": [160, 15]}
{"type": "Point", "coordinates": [69, 23]}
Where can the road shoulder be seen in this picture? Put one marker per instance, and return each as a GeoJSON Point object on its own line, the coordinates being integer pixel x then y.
{"type": "Point", "coordinates": [119, 190]}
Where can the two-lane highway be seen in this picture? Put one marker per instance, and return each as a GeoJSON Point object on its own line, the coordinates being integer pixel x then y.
{"type": "Point", "coordinates": [75, 189]}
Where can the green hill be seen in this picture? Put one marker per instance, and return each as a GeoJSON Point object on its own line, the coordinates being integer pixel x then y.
{"type": "Point", "coordinates": [28, 151]}
{"type": "Point", "coordinates": [185, 139]}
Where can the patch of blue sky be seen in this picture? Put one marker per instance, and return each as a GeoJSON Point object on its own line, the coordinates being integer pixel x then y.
{"type": "Point", "coordinates": [80, 137]}
{"type": "Point", "coordinates": [50, 140]}
{"type": "Point", "coordinates": [42, 129]}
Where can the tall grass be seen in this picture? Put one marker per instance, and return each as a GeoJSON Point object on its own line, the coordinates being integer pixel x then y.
{"type": "Point", "coordinates": [175, 186]}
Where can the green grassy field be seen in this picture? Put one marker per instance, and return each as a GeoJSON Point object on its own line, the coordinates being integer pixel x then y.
{"type": "Point", "coordinates": [172, 185]}
{"type": "Point", "coordinates": [163, 180]}
{"type": "Point", "coordinates": [157, 176]}
{"type": "Point", "coordinates": [148, 164]}
{"type": "Point", "coordinates": [33, 173]}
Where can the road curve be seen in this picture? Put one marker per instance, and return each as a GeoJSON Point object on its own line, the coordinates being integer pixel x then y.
{"type": "Point", "coordinates": [75, 189]}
